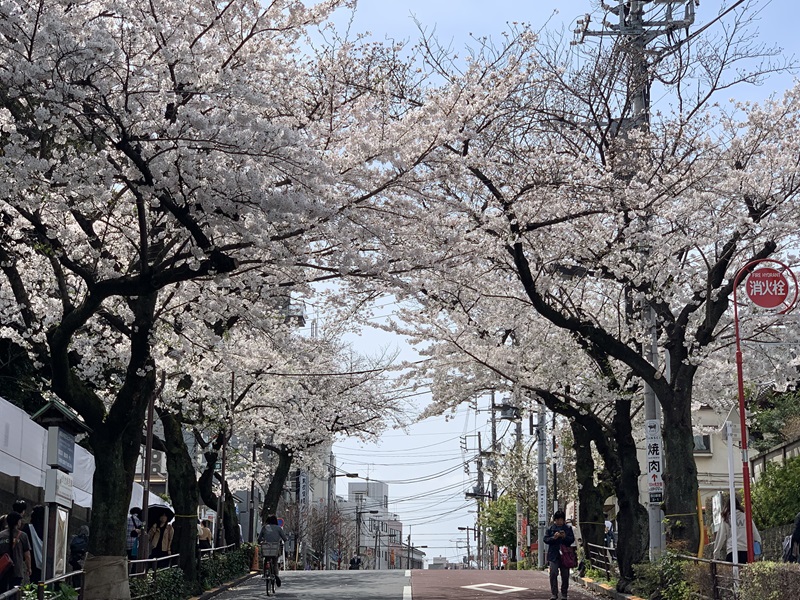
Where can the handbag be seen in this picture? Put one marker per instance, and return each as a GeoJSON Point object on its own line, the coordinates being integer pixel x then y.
{"type": "Point", "coordinates": [569, 559]}
{"type": "Point", "coordinates": [5, 564]}
{"type": "Point", "coordinates": [757, 548]}
{"type": "Point", "coordinates": [6, 561]}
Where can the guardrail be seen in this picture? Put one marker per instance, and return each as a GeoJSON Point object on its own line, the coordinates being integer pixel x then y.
{"type": "Point", "coordinates": [209, 552]}
{"type": "Point", "coordinates": [148, 567]}
{"type": "Point", "coordinates": [41, 587]}
{"type": "Point", "coordinates": [603, 558]}
{"type": "Point", "coordinates": [717, 579]}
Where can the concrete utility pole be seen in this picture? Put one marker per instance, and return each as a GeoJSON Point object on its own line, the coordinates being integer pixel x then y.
{"type": "Point", "coordinates": [541, 448]}
{"type": "Point", "coordinates": [520, 535]}
{"type": "Point", "coordinates": [636, 32]}
{"type": "Point", "coordinates": [479, 532]}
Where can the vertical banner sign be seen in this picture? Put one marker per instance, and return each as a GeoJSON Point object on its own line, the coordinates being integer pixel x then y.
{"type": "Point", "coordinates": [767, 288]}
{"type": "Point", "coordinates": [542, 505]}
{"type": "Point", "coordinates": [652, 436]}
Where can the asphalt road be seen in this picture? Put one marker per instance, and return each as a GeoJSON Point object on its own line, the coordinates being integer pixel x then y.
{"type": "Point", "coordinates": [402, 585]}
{"type": "Point", "coordinates": [329, 585]}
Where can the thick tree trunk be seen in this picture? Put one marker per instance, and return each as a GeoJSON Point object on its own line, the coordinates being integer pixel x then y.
{"type": "Point", "coordinates": [591, 496]}
{"type": "Point", "coordinates": [230, 522]}
{"type": "Point", "coordinates": [184, 493]}
{"type": "Point", "coordinates": [279, 478]}
{"type": "Point", "coordinates": [680, 473]}
{"type": "Point", "coordinates": [115, 453]}
{"type": "Point", "coordinates": [632, 520]}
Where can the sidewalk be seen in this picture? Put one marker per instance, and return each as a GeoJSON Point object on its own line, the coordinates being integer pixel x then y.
{"type": "Point", "coordinates": [225, 587]}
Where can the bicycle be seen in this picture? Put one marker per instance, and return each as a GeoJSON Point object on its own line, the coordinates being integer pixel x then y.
{"type": "Point", "coordinates": [270, 551]}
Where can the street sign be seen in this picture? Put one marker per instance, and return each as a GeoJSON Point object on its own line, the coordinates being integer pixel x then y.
{"type": "Point", "coordinates": [542, 506]}
{"type": "Point", "coordinates": [767, 287]}
{"type": "Point", "coordinates": [655, 484]}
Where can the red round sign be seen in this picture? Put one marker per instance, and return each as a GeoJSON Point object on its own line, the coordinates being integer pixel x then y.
{"type": "Point", "coordinates": [767, 288]}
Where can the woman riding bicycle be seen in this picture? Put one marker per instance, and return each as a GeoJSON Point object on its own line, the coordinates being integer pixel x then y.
{"type": "Point", "coordinates": [272, 533]}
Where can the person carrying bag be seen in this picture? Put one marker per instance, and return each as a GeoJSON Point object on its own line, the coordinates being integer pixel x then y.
{"type": "Point", "coordinates": [560, 554]}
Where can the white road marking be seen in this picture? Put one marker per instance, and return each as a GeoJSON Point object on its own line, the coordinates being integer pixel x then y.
{"type": "Point", "coordinates": [484, 587]}
{"type": "Point", "coordinates": [407, 592]}
{"type": "Point", "coordinates": [408, 572]}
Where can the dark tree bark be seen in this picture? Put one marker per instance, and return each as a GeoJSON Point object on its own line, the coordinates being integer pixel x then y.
{"type": "Point", "coordinates": [617, 447]}
{"type": "Point", "coordinates": [591, 496]}
{"type": "Point", "coordinates": [184, 493]}
{"type": "Point", "coordinates": [632, 519]}
{"type": "Point", "coordinates": [273, 495]}
{"type": "Point", "coordinates": [230, 521]}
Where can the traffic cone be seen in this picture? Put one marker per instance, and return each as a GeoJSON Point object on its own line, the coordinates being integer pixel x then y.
{"type": "Point", "coordinates": [255, 564]}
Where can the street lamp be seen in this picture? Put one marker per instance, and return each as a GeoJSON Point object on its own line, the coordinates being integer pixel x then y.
{"type": "Point", "coordinates": [332, 475]}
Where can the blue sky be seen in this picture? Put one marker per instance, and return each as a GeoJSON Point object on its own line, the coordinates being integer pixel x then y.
{"type": "Point", "coordinates": [434, 446]}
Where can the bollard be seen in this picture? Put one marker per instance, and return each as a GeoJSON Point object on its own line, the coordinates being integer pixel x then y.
{"type": "Point", "coordinates": [255, 566]}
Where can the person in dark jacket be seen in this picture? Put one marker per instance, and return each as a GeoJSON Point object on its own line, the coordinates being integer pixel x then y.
{"type": "Point", "coordinates": [558, 534]}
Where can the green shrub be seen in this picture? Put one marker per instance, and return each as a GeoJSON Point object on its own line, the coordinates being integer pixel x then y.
{"type": "Point", "coordinates": [225, 567]}
{"type": "Point", "coordinates": [164, 584]}
{"type": "Point", "coordinates": [769, 580]}
{"type": "Point", "coordinates": [666, 576]}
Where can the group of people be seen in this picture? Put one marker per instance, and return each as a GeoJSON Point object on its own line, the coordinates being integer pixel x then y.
{"type": "Point", "coordinates": [21, 540]}
{"type": "Point", "coordinates": [159, 536]}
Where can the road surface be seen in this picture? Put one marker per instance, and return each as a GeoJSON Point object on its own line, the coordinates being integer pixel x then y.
{"type": "Point", "coordinates": [405, 585]}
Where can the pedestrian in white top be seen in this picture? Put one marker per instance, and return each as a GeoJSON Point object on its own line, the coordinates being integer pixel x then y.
{"type": "Point", "coordinates": [723, 544]}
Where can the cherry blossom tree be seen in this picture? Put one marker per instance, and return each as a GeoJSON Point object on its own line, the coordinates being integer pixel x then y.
{"type": "Point", "coordinates": [149, 145]}
{"type": "Point", "coordinates": [585, 226]}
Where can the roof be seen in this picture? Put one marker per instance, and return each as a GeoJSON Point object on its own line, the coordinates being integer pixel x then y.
{"type": "Point", "coordinates": [54, 413]}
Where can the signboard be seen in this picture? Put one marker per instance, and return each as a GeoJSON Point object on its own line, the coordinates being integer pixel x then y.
{"type": "Point", "coordinates": [58, 488]}
{"type": "Point", "coordinates": [60, 449]}
{"type": "Point", "coordinates": [655, 484]}
{"type": "Point", "coordinates": [767, 288]}
{"type": "Point", "coordinates": [542, 506]}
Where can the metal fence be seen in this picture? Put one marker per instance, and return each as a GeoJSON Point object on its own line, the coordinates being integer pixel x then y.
{"type": "Point", "coordinates": [146, 568]}
{"type": "Point", "coordinates": [74, 579]}
{"type": "Point", "coordinates": [713, 579]}
{"type": "Point", "coordinates": [603, 558]}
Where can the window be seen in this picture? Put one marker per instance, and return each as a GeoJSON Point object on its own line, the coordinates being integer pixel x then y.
{"type": "Point", "coordinates": [702, 444]}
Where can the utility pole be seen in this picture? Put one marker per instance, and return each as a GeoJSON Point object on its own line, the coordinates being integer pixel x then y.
{"type": "Point", "coordinates": [637, 32]}
{"type": "Point", "coordinates": [494, 448]}
{"type": "Point", "coordinates": [541, 436]}
{"type": "Point", "coordinates": [328, 507]}
{"type": "Point", "coordinates": [555, 466]}
{"type": "Point", "coordinates": [520, 535]}
{"type": "Point", "coordinates": [479, 532]}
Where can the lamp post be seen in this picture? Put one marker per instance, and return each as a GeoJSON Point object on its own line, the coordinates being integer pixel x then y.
{"type": "Point", "coordinates": [332, 475]}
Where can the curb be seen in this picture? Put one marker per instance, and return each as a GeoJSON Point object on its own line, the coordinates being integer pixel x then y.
{"type": "Point", "coordinates": [603, 589]}
{"type": "Point", "coordinates": [224, 587]}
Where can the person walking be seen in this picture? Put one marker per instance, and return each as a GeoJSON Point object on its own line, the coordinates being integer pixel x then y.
{"type": "Point", "coordinates": [78, 548]}
{"type": "Point", "coordinates": [14, 542]}
{"type": "Point", "coordinates": [723, 544]}
{"type": "Point", "coordinates": [160, 535]}
{"type": "Point", "coordinates": [559, 535]}
{"type": "Point", "coordinates": [204, 536]}
{"type": "Point", "coordinates": [35, 532]}
{"type": "Point", "coordinates": [135, 531]}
